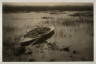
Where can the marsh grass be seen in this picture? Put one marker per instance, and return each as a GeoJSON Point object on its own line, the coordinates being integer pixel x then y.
{"type": "Point", "coordinates": [64, 30]}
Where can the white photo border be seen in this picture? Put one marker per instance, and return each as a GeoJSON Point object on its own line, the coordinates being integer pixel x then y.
{"type": "Point", "coordinates": [82, 1]}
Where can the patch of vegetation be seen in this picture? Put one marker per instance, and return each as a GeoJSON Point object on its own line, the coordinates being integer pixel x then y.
{"type": "Point", "coordinates": [47, 18]}
{"type": "Point", "coordinates": [87, 14]}
{"type": "Point", "coordinates": [9, 9]}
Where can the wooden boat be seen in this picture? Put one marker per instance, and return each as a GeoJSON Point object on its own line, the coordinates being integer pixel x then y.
{"type": "Point", "coordinates": [37, 36]}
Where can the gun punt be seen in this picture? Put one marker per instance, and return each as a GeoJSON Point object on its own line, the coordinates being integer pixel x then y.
{"type": "Point", "coordinates": [37, 36]}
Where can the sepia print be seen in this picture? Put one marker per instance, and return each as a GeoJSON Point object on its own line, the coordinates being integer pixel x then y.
{"type": "Point", "coordinates": [47, 32]}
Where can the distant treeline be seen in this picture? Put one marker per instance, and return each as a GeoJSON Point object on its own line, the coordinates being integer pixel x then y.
{"type": "Point", "coordinates": [8, 9]}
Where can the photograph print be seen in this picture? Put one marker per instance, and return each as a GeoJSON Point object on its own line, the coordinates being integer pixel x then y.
{"type": "Point", "coordinates": [47, 32]}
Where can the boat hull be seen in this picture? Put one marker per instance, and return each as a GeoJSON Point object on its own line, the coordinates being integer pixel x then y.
{"type": "Point", "coordinates": [38, 40]}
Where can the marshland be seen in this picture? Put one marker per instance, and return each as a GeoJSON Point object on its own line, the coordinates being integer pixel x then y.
{"type": "Point", "coordinates": [72, 40]}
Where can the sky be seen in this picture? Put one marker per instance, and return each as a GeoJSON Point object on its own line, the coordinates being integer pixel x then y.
{"type": "Point", "coordinates": [43, 3]}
